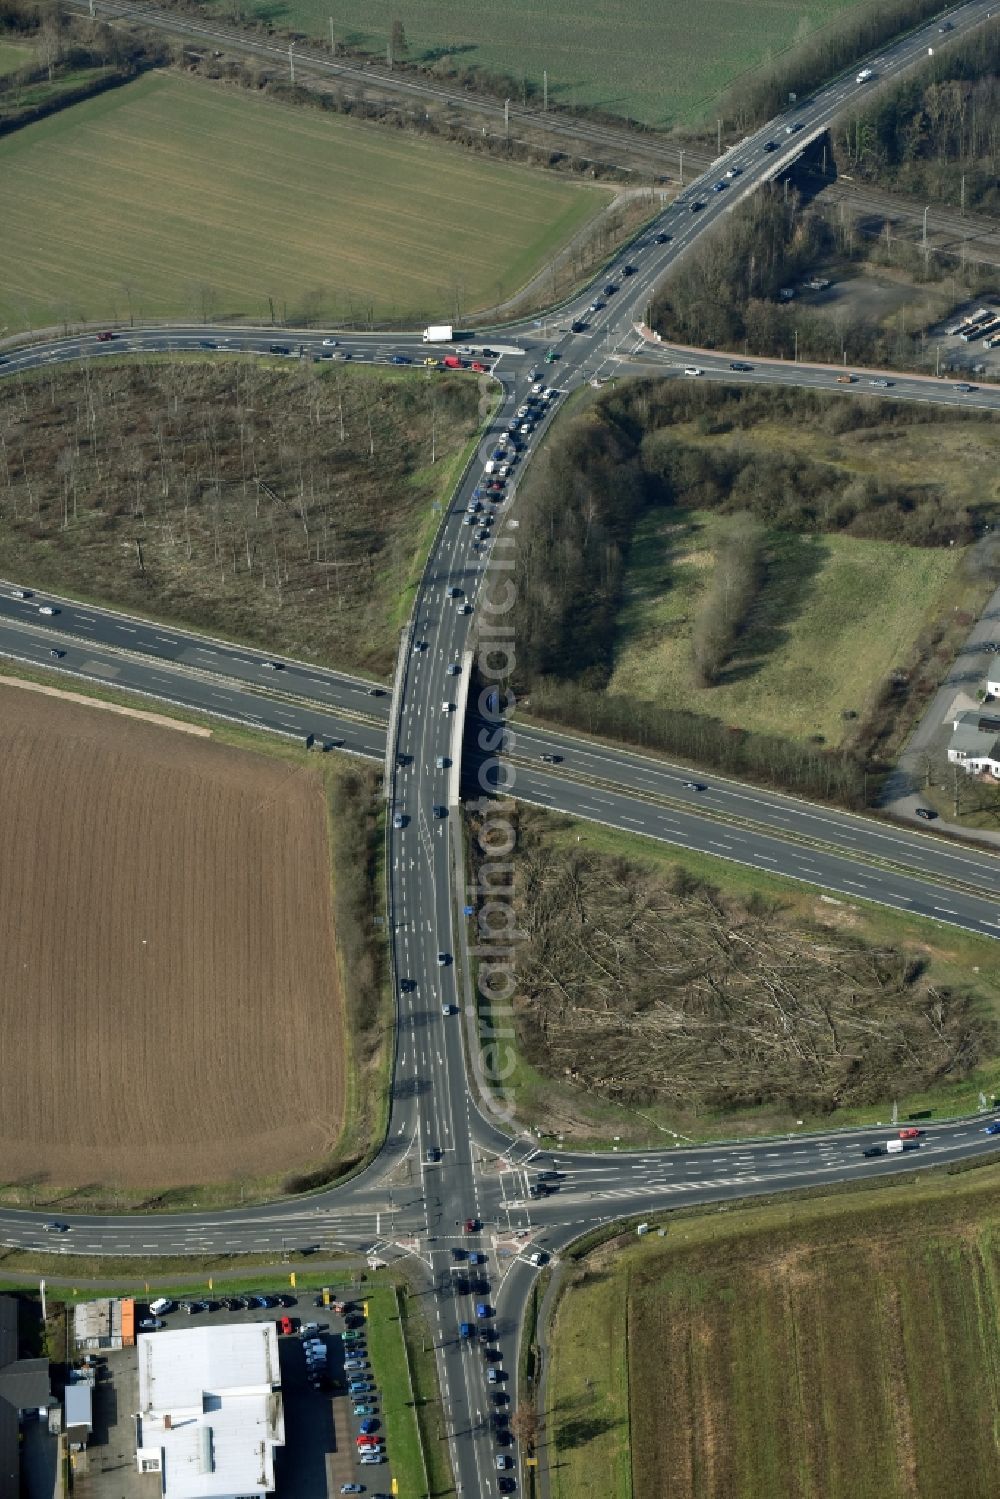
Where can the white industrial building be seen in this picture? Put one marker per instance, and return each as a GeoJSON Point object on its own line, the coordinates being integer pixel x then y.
{"type": "Point", "coordinates": [975, 743]}
{"type": "Point", "coordinates": [211, 1413]}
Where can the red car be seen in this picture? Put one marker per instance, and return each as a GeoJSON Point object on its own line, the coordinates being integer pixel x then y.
{"type": "Point", "coordinates": [105, 338]}
{"type": "Point", "coordinates": [452, 362]}
{"type": "Point", "coordinates": [471, 1225]}
{"type": "Point", "coordinates": [480, 369]}
{"type": "Point", "coordinates": [368, 1441]}
{"type": "Point", "coordinates": [910, 1134]}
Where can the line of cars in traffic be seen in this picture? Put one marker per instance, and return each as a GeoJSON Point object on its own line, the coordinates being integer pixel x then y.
{"type": "Point", "coordinates": [470, 1279]}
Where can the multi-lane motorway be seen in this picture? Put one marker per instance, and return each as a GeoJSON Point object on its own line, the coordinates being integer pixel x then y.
{"type": "Point", "coordinates": [444, 1161]}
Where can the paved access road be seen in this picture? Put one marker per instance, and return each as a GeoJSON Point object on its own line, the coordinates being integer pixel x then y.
{"type": "Point", "coordinates": [443, 1163]}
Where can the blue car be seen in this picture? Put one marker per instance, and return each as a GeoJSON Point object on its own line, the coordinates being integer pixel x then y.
{"type": "Point", "coordinates": [369, 1426]}
{"type": "Point", "coordinates": [399, 359]}
{"type": "Point", "coordinates": [992, 1129]}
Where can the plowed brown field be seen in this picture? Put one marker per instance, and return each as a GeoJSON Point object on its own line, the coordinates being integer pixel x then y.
{"type": "Point", "coordinates": [167, 958]}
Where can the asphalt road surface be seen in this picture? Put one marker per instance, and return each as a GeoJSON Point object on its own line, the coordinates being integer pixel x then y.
{"type": "Point", "coordinates": [445, 1163]}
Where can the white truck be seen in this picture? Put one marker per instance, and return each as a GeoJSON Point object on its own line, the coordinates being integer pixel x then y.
{"type": "Point", "coordinates": [439, 333]}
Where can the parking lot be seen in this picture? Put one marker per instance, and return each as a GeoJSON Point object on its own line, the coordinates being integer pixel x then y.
{"type": "Point", "coordinates": [320, 1452]}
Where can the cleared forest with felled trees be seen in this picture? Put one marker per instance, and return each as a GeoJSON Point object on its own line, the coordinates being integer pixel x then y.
{"type": "Point", "coordinates": [289, 507]}
{"type": "Point", "coordinates": [650, 996]}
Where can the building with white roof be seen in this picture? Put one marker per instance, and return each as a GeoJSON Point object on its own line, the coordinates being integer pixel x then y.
{"type": "Point", "coordinates": [211, 1413]}
{"type": "Point", "coordinates": [975, 743]}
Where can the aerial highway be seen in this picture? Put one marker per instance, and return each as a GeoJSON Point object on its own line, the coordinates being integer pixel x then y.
{"type": "Point", "coordinates": [447, 1161]}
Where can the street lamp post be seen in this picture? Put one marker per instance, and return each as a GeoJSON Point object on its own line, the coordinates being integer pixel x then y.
{"type": "Point", "coordinates": [926, 212]}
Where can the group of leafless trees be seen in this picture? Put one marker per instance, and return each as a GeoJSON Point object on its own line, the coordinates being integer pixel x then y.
{"type": "Point", "coordinates": [642, 987]}
{"type": "Point", "coordinates": [736, 578]}
{"type": "Point", "coordinates": [936, 133]}
{"type": "Point", "coordinates": [80, 55]}
{"type": "Point", "coordinates": [729, 295]}
{"type": "Point", "coordinates": [281, 504]}
{"type": "Point", "coordinates": [811, 61]}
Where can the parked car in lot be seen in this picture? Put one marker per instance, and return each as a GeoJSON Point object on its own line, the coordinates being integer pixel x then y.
{"type": "Point", "coordinates": [151, 1324]}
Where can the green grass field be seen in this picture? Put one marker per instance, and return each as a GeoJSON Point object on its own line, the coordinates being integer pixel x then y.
{"type": "Point", "coordinates": [625, 56]}
{"type": "Point", "coordinates": [14, 55]}
{"type": "Point", "coordinates": [836, 614]}
{"type": "Point", "coordinates": [171, 197]}
{"type": "Point", "coordinates": [846, 1347]}
{"type": "Point", "coordinates": [384, 1329]}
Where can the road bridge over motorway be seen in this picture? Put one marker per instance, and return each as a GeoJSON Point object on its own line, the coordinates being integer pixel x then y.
{"type": "Point", "coordinates": [447, 1157]}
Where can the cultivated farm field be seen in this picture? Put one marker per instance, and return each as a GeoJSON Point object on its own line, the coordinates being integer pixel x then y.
{"type": "Point", "coordinates": [846, 1348]}
{"type": "Point", "coordinates": [170, 197]}
{"type": "Point", "coordinates": [167, 956]}
{"type": "Point", "coordinates": [629, 57]}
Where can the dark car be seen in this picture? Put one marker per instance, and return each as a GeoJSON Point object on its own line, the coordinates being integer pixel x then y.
{"type": "Point", "coordinates": [104, 338]}
{"type": "Point", "coordinates": [58, 654]}
{"type": "Point", "coordinates": [992, 1129]}
{"type": "Point", "coordinates": [505, 1484]}
{"type": "Point", "coordinates": [610, 289]}
{"type": "Point", "coordinates": [279, 349]}
{"type": "Point", "coordinates": [926, 814]}
{"type": "Point", "coordinates": [57, 1227]}
{"type": "Point", "coordinates": [740, 365]}
{"type": "Point", "coordinates": [697, 206]}
{"type": "Point", "coordinates": [400, 359]}
{"type": "Point", "coordinates": [577, 327]}
{"type": "Point", "coordinates": [551, 759]}
{"type": "Point", "coordinates": [627, 270]}
{"type": "Point", "coordinates": [695, 785]}
{"type": "Point", "coordinates": [770, 146]}
{"type": "Point", "coordinates": [661, 239]}
{"type": "Point", "coordinates": [871, 1150]}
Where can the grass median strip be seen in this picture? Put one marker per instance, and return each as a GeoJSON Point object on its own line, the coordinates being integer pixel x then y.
{"type": "Point", "coordinates": [389, 1357]}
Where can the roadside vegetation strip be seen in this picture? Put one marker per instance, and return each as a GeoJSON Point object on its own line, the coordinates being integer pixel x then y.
{"type": "Point", "coordinates": [850, 1337]}
{"type": "Point", "coordinates": [389, 1360]}
{"type": "Point", "coordinates": [279, 212]}
{"type": "Point", "coordinates": [430, 1411]}
{"type": "Point", "coordinates": [633, 950]}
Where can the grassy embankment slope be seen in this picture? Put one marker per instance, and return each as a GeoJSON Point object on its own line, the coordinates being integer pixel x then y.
{"type": "Point", "coordinates": [172, 198]}
{"type": "Point", "coordinates": [846, 1347]}
{"type": "Point", "coordinates": [836, 613]}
